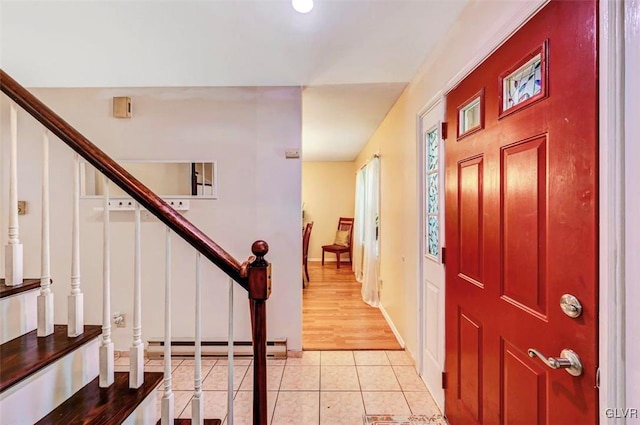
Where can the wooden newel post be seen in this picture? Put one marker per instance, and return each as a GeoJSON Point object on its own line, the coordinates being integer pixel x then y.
{"type": "Point", "coordinates": [259, 278]}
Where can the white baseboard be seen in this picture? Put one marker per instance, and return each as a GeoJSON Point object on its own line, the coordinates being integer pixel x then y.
{"type": "Point", "coordinates": [392, 326]}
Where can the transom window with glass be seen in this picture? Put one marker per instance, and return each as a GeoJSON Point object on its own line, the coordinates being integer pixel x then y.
{"type": "Point", "coordinates": [432, 197]}
{"type": "Point", "coordinates": [471, 115]}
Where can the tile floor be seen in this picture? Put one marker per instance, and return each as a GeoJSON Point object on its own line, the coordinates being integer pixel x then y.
{"type": "Point", "coordinates": [319, 388]}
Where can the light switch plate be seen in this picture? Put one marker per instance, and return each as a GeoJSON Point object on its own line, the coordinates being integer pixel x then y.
{"type": "Point", "coordinates": [292, 153]}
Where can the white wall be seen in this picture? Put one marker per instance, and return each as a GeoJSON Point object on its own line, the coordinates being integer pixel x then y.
{"type": "Point", "coordinates": [245, 129]}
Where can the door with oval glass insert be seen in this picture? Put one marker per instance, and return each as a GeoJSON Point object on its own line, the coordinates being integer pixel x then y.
{"type": "Point", "coordinates": [521, 212]}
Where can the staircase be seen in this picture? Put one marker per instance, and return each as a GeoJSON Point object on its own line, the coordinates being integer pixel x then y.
{"type": "Point", "coordinates": [64, 373]}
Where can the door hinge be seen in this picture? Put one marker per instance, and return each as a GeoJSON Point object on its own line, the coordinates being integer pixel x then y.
{"type": "Point", "coordinates": [443, 255]}
{"type": "Point", "coordinates": [597, 378]}
{"type": "Point", "coordinates": [443, 130]}
{"type": "Point", "coordinates": [444, 380]}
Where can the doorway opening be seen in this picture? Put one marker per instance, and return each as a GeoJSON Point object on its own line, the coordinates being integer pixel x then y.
{"type": "Point", "coordinates": [341, 309]}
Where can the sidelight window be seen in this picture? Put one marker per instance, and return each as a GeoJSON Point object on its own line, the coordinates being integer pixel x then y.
{"type": "Point", "coordinates": [432, 188]}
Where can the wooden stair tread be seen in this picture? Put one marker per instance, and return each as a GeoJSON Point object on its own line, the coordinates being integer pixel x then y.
{"type": "Point", "coordinates": [93, 405]}
{"type": "Point", "coordinates": [27, 354]}
{"type": "Point", "coordinates": [188, 422]}
{"type": "Point", "coordinates": [27, 285]}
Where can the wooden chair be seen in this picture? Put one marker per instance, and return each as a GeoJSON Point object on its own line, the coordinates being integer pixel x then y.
{"type": "Point", "coordinates": [344, 223]}
{"type": "Point", "coordinates": [305, 249]}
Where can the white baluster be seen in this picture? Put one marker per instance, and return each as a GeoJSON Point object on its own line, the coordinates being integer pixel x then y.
{"type": "Point", "coordinates": [136, 372]}
{"type": "Point", "coordinates": [75, 300]}
{"type": "Point", "coordinates": [230, 356]}
{"type": "Point", "coordinates": [197, 403]}
{"type": "Point", "coordinates": [13, 250]}
{"type": "Point", "coordinates": [106, 348]}
{"type": "Point", "coordinates": [45, 299]}
{"type": "Point", "coordinates": [167, 407]}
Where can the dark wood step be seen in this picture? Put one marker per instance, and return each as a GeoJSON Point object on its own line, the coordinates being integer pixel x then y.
{"type": "Point", "coordinates": [93, 405]}
{"type": "Point", "coordinates": [27, 285]}
{"type": "Point", "coordinates": [188, 422]}
{"type": "Point", "coordinates": [25, 355]}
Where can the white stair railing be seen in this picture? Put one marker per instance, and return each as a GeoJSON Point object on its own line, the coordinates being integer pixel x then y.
{"type": "Point", "coordinates": [136, 372]}
{"type": "Point", "coordinates": [197, 403]}
{"type": "Point", "coordinates": [107, 369]}
{"type": "Point", "coordinates": [14, 269]}
{"type": "Point", "coordinates": [13, 250]}
{"type": "Point", "coordinates": [75, 302]}
{"type": "Point", "coordinates": [167, 404]}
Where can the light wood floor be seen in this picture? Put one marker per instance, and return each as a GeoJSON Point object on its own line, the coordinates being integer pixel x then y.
{"type": "Point", "coordinates": [336, 318]}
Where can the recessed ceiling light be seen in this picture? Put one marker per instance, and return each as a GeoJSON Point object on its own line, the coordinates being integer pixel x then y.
{"type": "Point", "coordinates": [302, 6]}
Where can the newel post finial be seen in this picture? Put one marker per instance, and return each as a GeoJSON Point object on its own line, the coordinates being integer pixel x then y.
{"type": "Point", "coordinates": [259, 249]}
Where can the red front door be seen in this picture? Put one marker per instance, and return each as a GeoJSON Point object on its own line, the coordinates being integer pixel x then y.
{"type": "Point", "coordinates": [521, 214]}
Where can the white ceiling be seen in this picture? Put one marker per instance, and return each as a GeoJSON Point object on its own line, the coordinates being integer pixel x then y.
{"type": "Point", "coordinates": [343, 117]}
{"type": "Point", "coordinates": [354, 56]}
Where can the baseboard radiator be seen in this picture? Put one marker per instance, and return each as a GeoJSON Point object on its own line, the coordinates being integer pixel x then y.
{"type": "Point", "coordinates": [214, 347]}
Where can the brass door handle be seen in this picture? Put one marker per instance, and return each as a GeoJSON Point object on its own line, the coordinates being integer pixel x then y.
{"type": "Point", "coordinates": [568, 361]}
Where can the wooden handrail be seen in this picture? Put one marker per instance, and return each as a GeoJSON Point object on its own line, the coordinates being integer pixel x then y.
{"type": "Point", "coordinates": [122, 178]}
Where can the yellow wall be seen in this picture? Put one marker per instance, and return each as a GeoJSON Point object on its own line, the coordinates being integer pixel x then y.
{"type": "Point", "coordinates": [481, 25]}
{"type": "Point", "coordinates": [328, 192]}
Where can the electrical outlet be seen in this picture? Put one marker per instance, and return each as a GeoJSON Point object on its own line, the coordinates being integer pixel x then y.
{"type": "Point", "coordinates": [22, 207]}
{"type": "Point", "coordinates": [118, 319]}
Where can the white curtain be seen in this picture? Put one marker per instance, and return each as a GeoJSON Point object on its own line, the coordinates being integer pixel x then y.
{"type": "Point", "coordinates": [358, 237]}
{"type": "Point", "coordinates": [366, 228]}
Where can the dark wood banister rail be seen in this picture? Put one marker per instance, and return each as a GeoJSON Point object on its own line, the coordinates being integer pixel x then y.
{"type": "Point", "coordinates": [123, 179]}
{"type": "Point", "coordinates": [253, 275]}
